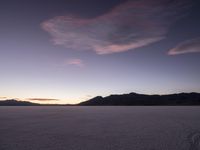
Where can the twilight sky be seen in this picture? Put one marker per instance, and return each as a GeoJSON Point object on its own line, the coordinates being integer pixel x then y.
{"type": "Point", "coordinates": [67, 51]}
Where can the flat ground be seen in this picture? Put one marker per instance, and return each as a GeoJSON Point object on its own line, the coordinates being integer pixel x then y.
{"type": "Point", "coordinates": [100, 128]}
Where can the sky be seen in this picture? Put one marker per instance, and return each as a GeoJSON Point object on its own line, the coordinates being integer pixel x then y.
{"type": "Point", "coordinates": [68, 51]}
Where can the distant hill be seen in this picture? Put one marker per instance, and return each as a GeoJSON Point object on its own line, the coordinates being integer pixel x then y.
{"type": "Point", "coordinates": [134, 99]}
{"type": "Point", "coordinates": [13, 102]}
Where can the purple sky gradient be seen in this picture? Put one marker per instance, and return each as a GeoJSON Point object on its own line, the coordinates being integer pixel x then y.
{"type": "Point", "coordinates": [67, 51]}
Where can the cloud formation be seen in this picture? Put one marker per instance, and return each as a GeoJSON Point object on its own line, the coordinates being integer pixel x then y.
{"type": "Point", "coordinates": [42, 99]}
{"type": "Point", "coordinates": [130, 25]}
{"type": "Point", "coordinates": [75, 61]}
{"type": "Point", "coordinates": [3, 97]}
{"type": "Point", "coordinates": [189, 46]}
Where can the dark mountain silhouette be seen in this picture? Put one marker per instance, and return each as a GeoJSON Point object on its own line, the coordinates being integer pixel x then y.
{"type": "Point", "coordinates": [134, 99]}
{"type": "Point", "coordinates": [13, 102]}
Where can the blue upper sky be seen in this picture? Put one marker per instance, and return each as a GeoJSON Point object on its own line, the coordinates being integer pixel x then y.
{"type": "Point", "coordinates": [67, 51]}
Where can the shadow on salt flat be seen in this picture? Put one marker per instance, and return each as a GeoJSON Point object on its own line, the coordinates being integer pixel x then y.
{"type": "Point", "coordinates": [194, 140]}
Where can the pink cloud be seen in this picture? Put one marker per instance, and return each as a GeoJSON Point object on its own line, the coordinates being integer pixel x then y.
{"type": "Point", "coordinates": [42, 99]}
{"type": "Point", "coordinates": [189, 46]}
{"type": "Point", "coordinates": [75, 62]}
{"type": "Point", "coordinates": [128, 26]}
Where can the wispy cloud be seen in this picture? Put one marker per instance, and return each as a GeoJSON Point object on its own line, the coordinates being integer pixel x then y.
{"type": "Point", "coordinates": [189, 46]}
{"type": "Point", "coordinates": [3, 97]}
{"type": "Point", "coordinates": [130, 25]}
{"type": "Point", "coordinates": [42, 99]}
{"type": "Point", "coordinates": [75, 61]}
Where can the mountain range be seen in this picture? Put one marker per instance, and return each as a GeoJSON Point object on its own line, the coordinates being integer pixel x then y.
{"type": "Point", "coordinates": [131, 99]}
{"type": "Point", "coordinates": [134, 99]}
{"type": "Point", "coordinates": [13, 102]}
